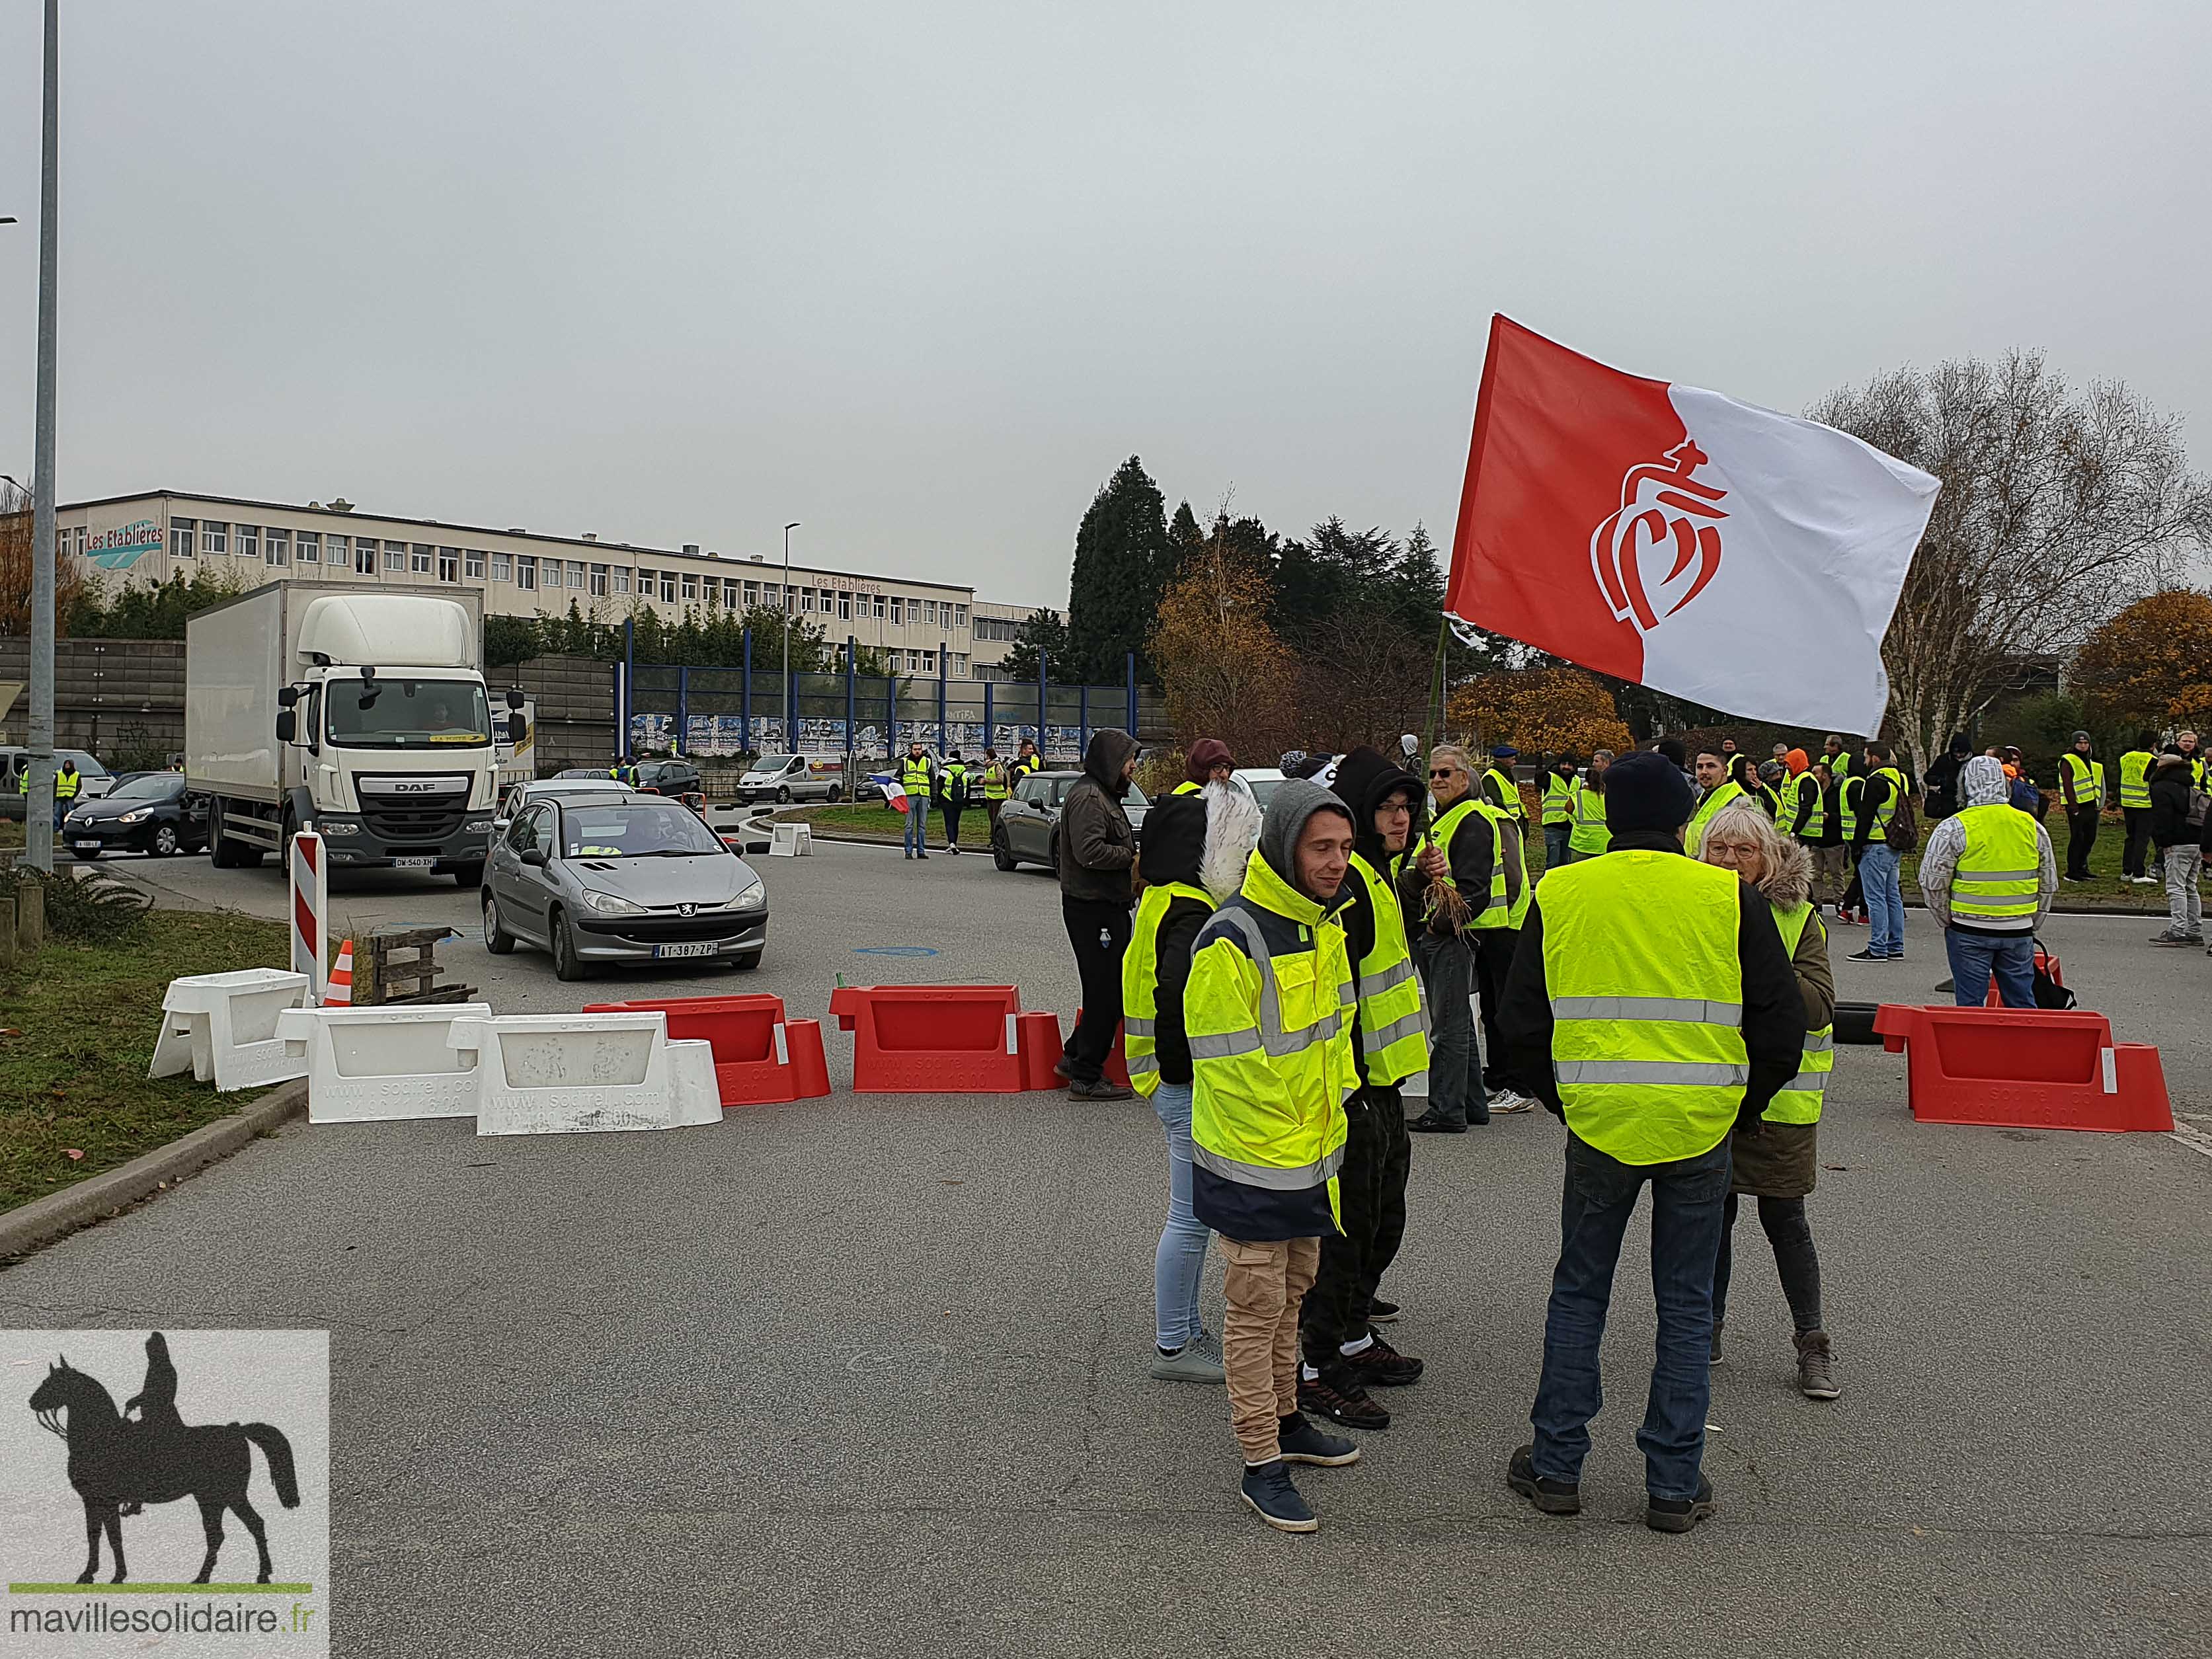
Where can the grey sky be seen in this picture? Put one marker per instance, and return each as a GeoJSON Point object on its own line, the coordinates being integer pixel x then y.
{"type": "Point", "coordinates": [921, 275]}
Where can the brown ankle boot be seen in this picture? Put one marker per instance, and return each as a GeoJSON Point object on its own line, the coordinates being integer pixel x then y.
{"type": "Point", "coordinates": [1815, 1377]}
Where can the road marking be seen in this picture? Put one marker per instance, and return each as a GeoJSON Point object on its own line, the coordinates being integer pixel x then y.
{"type": "Point", "coordinates": [2191, 1137]}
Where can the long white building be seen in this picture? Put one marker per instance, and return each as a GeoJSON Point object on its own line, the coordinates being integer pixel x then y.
{"type": "Point", "coordinates": [151, 537]}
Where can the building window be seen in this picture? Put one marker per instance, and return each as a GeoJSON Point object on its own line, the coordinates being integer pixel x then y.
{"type": "Point", "coordinates": [690, 587]}
{"type": "Point", "coordinates": [599, 581]}
{"type": "Point", "coordinates": [364, 557]}
{"type": "Point", "coordinates": [575, 573]}
{"type": "Point", "coordinates": [929, 662]}
{"type": "Point", "coordinates": [423, 553]}
{"type": "Point", "coordinates": [180, 537]}
{"type": "Point", "coordinates": [308, 547]}
{"type": "Point", "coordinates": [877, 604]}
{"type": "Point", "coordinates": [844, 607]}
{"type": "Point", "coordinates": [752, 594]}
{"type": "Point", "coordinates": [526, 572]}
{"type": "Point", "coordinates": [898, 613]}
{"type": "Point", "coordinates": [472, 565]}
{"type": "Point", "coordinates": [276, 547]}
{"type": "Point", "coordinates": [960, 615]}
{"type": "Point", "coordinates": [503, 568]}
{"type": "Point", "coordinates": [215, 536]}
{"type": "Point", "coordinates": [621, 581]}
{"type": "Point", "coordinates": [248, 541]}
{"type": "Point", "coordinates": [668, 587]}
{"type": "Point", "coordinates": [449, 564]}
{"type": "Point", "coordinates": [644, 583]}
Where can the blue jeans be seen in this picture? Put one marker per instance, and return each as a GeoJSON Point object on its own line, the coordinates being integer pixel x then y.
{"type": "Point", "coordinates": [1885, 900]}
{"type": "Point", "coordinates": [1555, 845]}
{"type": "Point", "coordinates": [1447, 968]}
{"type": "Point", "coordinates": [1180, 1261]}
{"type": "Point", "coordinates": [1688, 1204]}
{"type": "Point", "coordinates": [917, 824]}
{"type": "Point", "coordinates": [1975, 957]}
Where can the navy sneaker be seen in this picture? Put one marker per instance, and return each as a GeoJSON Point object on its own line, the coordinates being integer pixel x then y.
{"type": "Point", "coordinates": [1430, 1124]}
{"type": "Point", "coordinates": [1679, 1513]}
{"type": "Point", "coordinates": [1302, 1443]}
{"type": "Point", "coordinates": [1549, 1496]}
{"type": "Point", "coordinates": [1268, 1489]}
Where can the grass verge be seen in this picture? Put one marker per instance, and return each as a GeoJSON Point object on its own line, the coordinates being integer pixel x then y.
{"type": "Point", "coordinates": [81, 1023]}
{"type": "Point", "coordinates": [876, 822]}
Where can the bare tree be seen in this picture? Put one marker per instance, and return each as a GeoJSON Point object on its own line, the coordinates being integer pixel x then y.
{"type": "Point", "coordinates": [2058, 507]}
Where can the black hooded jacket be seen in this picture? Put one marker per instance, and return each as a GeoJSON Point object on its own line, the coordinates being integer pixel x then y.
{"type": "Point", "coordinates": [1175, 844]}
{"type": "Point", "coordinates": [1096, 845]}
{"type": "Point", "coordinates": [1364, 779]}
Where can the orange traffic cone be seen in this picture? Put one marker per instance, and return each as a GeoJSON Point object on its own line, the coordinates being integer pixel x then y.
{"type": "Point", "coordinates": [339, 993]}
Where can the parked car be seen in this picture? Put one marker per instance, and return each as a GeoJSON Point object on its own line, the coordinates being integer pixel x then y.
{"type": "Point", "coordinates": [792, 777]}
{"type": "Point", "coordinates": [146, 813]}
{"type": "Point", "coordinates": [1260, 781]}
{"type": "Point", "coordinates": [567, 783]}
{"type": "Point", "coordinates": [656, 777]}
{"type": "Point", "coordinates": [611, 876]}
{"type": "Point", "coordinates": [98, 780]}
{"type": "Point", "coordinates": [1029, 824]}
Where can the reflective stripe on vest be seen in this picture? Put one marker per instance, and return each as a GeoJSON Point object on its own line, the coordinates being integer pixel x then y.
{"type": "Point", "coordinates": [1647, 1003]}
{"type": "Point", "coordinates": [2135, 778]}
{"type": "Point", "coordinates": [1496, 913]}
{"type": "Point", "coordinates": [1559, 798]}
{"type": "Point", "coordinates": [1447, 826]}
{"type": "Point", "coordinates": [1816, 820]}
{"type": "Point", "coordinates": [1140, 981]}
{"type": "Point", "coordinates": [2000, 873]}
{"type": "Point", "coordinates": [1590, 834]}
{"type": "Point", "coordinates": [1798, 1101]}
{"type": "Point", "coordinates": [1393, 1029]}
{"type": "Point", "coordinates": [1502, 793]}
{"type": "Point", "coordinates": [1847, 807]}
{"type": "Point", "coordinates": [994, 782]}
{"type": "Point", "coordinates": [2083, 779]}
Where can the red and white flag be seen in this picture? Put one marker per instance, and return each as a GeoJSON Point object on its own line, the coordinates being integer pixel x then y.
{"type": "Point", "coordinates": [1743, 559]}
{"type": "Point", "coordinates": [894, 791]}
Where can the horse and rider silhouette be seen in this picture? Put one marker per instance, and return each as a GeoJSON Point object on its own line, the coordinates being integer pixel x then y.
{"type": "Point", "coordinates": [118, 1466]}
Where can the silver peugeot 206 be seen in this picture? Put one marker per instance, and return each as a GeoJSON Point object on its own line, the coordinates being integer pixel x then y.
{"type": "Point", "coordinates": [618, 876]}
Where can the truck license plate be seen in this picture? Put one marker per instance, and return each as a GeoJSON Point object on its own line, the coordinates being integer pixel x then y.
{"type": "Point", "coordinates": [703, 948]}
{"type": "Point", "coordinates": [412, 864]}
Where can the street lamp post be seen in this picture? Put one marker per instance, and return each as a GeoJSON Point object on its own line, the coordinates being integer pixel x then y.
{"type": "Point", "coordinates": [790, 680]}
{"type": "Point", "coordinates": [38, 799]}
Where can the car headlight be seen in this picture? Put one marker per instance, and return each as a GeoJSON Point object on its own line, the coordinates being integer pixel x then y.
{"type": "Point", "coordinates": [752, 898]}
{"type": "Point", "coordinates": [338, 826]}
{"type": "Point", "coordinates": [476, 827]}
{"type": "Point", "coordinates": [134, 817]}
{"type": "Point", "coordinates": [607, 904]}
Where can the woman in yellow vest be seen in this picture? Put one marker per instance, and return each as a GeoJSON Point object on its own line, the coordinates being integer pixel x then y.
{"type": "Point", "coordinates": [1587, 836]}
{"type": "Point", "coordinates": [1186, 838]}
{"type": "Point", "coordinates": [1779, 1165]}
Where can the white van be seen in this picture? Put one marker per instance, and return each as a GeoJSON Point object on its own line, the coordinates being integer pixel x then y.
{"type": "Point", "coordinates": [791, 777]}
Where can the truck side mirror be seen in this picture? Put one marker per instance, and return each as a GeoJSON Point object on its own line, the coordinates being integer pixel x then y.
{"type": "Point", "coordinates": [287, 696]}
{"type": "Point", "coordinates": [514, 698]}
{"type": "Point", "coordinates": [287, 726]}
{"type": "Point", "coordinates": [518, 728]}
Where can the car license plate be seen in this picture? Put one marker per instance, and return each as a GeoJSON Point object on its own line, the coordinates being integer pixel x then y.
{"type": "Point", "coordinates": [701, 948]}
{"type": "Point", "coordinates": [413, 864]}
{"type": "Point", "coordinates": [85, 846]}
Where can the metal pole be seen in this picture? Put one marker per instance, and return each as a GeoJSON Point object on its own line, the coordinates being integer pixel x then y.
{"type": "Point", "coordinates": [745, 700]}
{"type": "Point", "coordinates": [1082, 720]}
{"type": "Point", "coordinates": [625, 705]}
{"type": "Point", "coordinates": [942, 656]}
{"type": "Point", "coordinates": [791, 740]}
{"type": "Point", "coordinates": [683, 711]}
{"type": "Point", "coordinates": [38, 803]}
{"type": "Point", "coordinates": [851, 689]}
{"type": "Point", "coordinates": [990, 726]}
{"type": "Point", "coordinates": [1043, 659]}
{"type": "Point", "coordinates": [1133, 693]}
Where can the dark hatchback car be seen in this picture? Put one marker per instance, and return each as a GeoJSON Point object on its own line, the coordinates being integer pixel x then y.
{"type": "Point", "coordinates": [145, 812]}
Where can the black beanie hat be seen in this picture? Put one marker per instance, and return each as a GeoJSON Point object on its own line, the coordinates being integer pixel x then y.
{"type": "Point", "coordinates": [1647, 791]}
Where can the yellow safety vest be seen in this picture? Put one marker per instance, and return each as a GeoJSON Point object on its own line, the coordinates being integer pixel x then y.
{"type": "Point", "coordinates": [1186, 788]}
{"type": "Point", "coordinates": [1268, 1015]}
{"type": "Point", "coordinates": [914, 776]}
{"type": "Point", "coordinates": [994, 782]}
{"type": "Point", "coordinates": [2000, 873]}
{"type": "Point", "coordinates": [1447, 826]}
{"type": "Point", "coordinates": [1560, 799]}
{"type": "Point", "coordinates": [1140, 981]}
{"type": "Point", "coordinates": [2135, 778]}
{"type": "Point", "coordinates": [1694, 836]}
{"type": "Point", "coordinates": [1496, 913]}
{"type": "Point", "coordinates": [1499, 789]}
{"type": "Point", "coordinates": [1590, 834]}
{"type": "Point", "coordinates": [1816, 822]}
{"type": "Point", "coordinates": [2087, 776]}
{"type": "Point", "coordinates": [66, 785]}
{"type": "Point", "coordinates": [1799, 1101]}
{"type": "Point", "coordinates": [1647, 1003]}
{"type": "Point", "coordinates": [956, 784]}
{"type": "Point", "coordinates": [1393, 1031]}
{"type": "Point", "coordinates": [1880, 832]}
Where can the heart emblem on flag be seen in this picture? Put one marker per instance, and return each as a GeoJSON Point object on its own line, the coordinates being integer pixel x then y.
{"type": "Point", "coordinates": [1656, 552]}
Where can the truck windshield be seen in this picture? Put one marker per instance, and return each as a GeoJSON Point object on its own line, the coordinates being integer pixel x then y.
{"type": "Point", "coordinates": [399, 713]}
{"type": "Point", "coordinates": [774, 762]}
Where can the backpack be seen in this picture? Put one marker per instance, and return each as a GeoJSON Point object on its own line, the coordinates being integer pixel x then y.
{"type": "Point", "coordinates": [2199, 805]}
{"type": "Point", "coordinates": [1904, 832]}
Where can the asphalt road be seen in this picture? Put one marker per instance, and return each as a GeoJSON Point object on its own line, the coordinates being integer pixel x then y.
{"type": "Point", "coordinates": [866, 1376]}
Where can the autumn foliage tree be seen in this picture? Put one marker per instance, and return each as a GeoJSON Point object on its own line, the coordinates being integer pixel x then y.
{"type": "Point", "coordinates": [2150, 667]}
{"type": "Point", "coordinates": [15, 569]}
{"type": "Point", "coordinates": [1548, 710]}
{"type": "Point", "coordinates": [1222, 672]}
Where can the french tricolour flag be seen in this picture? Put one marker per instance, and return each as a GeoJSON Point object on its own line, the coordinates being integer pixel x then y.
{"type": "Point", "coordinates": [894, 791]}
{"type": "Point", "coordinates": [1743, 559]}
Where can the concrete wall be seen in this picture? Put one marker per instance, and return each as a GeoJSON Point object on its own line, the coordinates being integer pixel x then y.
{"type": "Point", "coordinates": [107, 693]}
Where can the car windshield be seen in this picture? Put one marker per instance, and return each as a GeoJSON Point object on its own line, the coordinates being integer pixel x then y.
{"type": "Point", "coordinates": [1263, 789]}
{"type": "Point", "coordinates": [774, 762]}
{"type": "Point", "coordinates": [159, 787]}
{"type": "Point", "coordinates": [402, 714]}
{"type": "Point", "coordinates": [641, 831]}
{"type": "Point", "coordinates": [85, 764]}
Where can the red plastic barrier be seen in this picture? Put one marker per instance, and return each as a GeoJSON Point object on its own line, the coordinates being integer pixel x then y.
{"type": "Point", "coordinates": [1117, 1058]}
{"type": "Point", "coordinates": [761, 1059]}
{"type": "Point", "coordinates": [2020, 1068]}
{"type": "Point", "coordinates": [1037, 1035]}
{"type": "Point", "coordinates": [932, 1039]}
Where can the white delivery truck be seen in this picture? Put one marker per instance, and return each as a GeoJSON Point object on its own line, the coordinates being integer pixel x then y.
{"type": "Point", "coordinates": [361, 709]}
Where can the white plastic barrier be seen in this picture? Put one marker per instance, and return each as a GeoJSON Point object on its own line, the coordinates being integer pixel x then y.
{"type": "Point", "coordinates": [565, 1073]}
{"type": "Point", "coordinates": [222, 1028]}
{"type": "Point", "coordinates": [790, 841]}
{"type": "Point", "coordinates": [382, 1065]}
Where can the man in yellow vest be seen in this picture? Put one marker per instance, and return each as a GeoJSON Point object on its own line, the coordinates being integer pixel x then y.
{"type": "Point", "coordinates": [2135, 806]}
{"type": "Point", "coordinates": [952, 797]}
{"type": "Point", "coordinates": [1445, 952]}
{"type": "Point", "coordinates": [2186, 743]}
{"type": "Point", "coordinates": [1026, 761]}
{"type": "Point", "coordinates": [1719, 790]}
{"type": "Point", "coordinates": [1344, 1353]}
{"type": "Point", "coordinates": [1989, 875]}
{"type": "Point", "coordinates": [1654, 1009]}
{"type": "Point", "coordinates": [1586, 835]}
{"type": "Point", "coordinates": [997, 787]}
{"type": "Point", "coordinates": [1268, 1015]}
{"type": "Point", "coordinates": [1498, 788]}
{"type": "Point", "coordinates": [917, 775]}
{"type": "Point", "coordinates": [2081, 793]}
{"type": "Point", "coordinates": [67, 783]}
{"type": "Point", "coordinates": [1880, 790]}
{"type": "Point", "coordinates": [1210, 762]}
{"type": "Point", "coordinates": [1559, 786]}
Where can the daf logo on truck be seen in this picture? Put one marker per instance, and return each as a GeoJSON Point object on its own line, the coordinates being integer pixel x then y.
{"type": "Point", "coordinates": [361, 710]}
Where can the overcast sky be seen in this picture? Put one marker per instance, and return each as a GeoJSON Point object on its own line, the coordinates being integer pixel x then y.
{"type": "Point", "coordinates": [919, 275]}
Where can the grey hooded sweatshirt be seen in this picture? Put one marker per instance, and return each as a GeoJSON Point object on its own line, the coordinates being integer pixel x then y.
{"type": "Point", "coordinates": [1982, 782]}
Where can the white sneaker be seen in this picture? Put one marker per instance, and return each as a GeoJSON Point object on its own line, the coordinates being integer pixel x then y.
{"type": "Point", "coordinates": [1506, 1100]}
